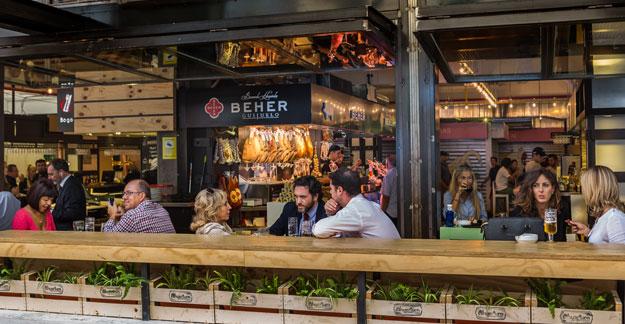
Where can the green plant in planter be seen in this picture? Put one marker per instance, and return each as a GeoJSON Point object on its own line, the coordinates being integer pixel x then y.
{"type": "Point", "coordinates": [548, 294]}
{"type": "Point", "coordinates": [343, 287]}
{"type": "Point", "coordinates": [115, 274]}
{"type": "Point", "coordinates": [205, 282]}
{"type": "Point", "coordinates": [71, 278]}
{"type": "Point", "coordinates": [233, 280]}
{"type": "Point", "coordinates": [19, 267]}
{"type": "Point", "coordinates": [269, 285]}
{"type": "Point", "coordinates": [470, 297]}
{"type": "Point", "coordinates": [501, 299]}
{"type": "Point", "coordinates": [394, 291]}
{"type": "Point", "coordinates": [180, 279]}
{"type": "Point", "coordinates": [427, 294]}
{"type": "Point", "coordinates": [46, 275]}
{"type": "Point", "coordinates": [301, 285]}
{"type": "Point", "coordinates": [593, 300]}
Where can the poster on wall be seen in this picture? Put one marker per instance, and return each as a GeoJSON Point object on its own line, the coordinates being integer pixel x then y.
{"type": "Point", "coordinates": [169, 148]}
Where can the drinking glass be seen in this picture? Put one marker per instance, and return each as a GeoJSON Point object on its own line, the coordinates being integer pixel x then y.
{"type": "Point", "coordinates": [292, 226]}
{"type": "Point", "coordinates": [551, 222]}
{"type": "Point", "coordinates": [79, 225]}
{"type": "Point", "coordinates": [90, 224]}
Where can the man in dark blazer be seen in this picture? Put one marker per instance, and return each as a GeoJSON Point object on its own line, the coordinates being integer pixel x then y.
{"type": "Point", "coordinates": [307, 205]}
{"type": "Point", "coordinates": [71, 203]}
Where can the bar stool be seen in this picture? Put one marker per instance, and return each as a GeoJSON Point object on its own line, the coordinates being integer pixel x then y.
{"type": "Point", "coordinates": [506, 197]}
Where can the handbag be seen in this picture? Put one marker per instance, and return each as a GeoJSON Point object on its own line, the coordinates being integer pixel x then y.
{"type": "Point", "coordinates": [506, 228]}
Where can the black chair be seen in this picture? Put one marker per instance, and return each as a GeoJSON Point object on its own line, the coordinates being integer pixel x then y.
{"type": "Point", "coordinates": [505, 229]}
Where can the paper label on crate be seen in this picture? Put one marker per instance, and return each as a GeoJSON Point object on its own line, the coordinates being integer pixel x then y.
{"type": "Point", "coordinates": [5, 285]}
{"type": "Point", "coordinates": [52, 289]}
{"type": "Point", "coordinates": [244, 300]}
{"type": "Point", "coordinates": [319, 303]}
{"type": "Point", "coordinates": [178, 296]}
{"type": "Point", "coordinates": [407, 309]}
{"type": "Point", "coordinates": [111, 292]}
{"type": "Point", "coordinates": [490, 313]}
{"type": "Point", "coordinates": [575, 317]}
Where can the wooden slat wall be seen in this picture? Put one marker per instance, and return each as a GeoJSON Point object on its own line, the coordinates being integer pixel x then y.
{"type": "Point", "coordinates": [457, 148]}
{"type": "Point", "coordinates": [121, 76]}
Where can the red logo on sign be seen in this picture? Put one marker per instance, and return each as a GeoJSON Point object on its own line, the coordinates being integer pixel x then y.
{"type": "Point", "coordinates": [213, 108]}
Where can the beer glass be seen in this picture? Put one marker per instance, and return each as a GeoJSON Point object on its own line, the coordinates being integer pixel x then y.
{"type": "Point", "coordinates": [551, 222]}
{"type": "Point", "coordinates": [90, 224]}
{"type": "Point", "coordinates": [79, 225]}
{"type": "Point", "coordinates": [292, 226]}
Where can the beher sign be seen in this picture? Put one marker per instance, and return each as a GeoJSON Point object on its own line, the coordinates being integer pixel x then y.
{"type": "Point", "coordinates": [240, 106]}
{"type": "Point", "coordinates": [65, 109]}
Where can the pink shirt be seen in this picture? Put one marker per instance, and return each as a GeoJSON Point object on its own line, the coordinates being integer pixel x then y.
{"type": "Point", "coordinates": [24, 222]}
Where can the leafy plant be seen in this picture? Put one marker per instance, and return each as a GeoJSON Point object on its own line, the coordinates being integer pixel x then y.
{"type": "Point", "coordinates": [269, 285]}
{"type": "Point", "coordinates": [472, 296]}
{"type": "Point", "coordinates": [395, 292]}
{"type": "Point", "coordinates": [233, 280]}
{"type": "Point", "coordinates": [501, 299]}
{"type": "Point", "coordinates": [71, 278]}
{"type": "Point", "coordinates": [16, 272]}
{"type": "Point", "coordinates": [342, 287]}
{"type": "Point", "coordinates": [47, 275]}
{"type": "Point", "coordinates": [330, 288]}
{"type": "Point", "coordinates": [548, 295]}
{"type": "Point", "coordinates": [426, 294]}
{"type": "Point", "coordinates": [302, 286]}
{"type": "Point", "coordinates": [593, 300]}
{"type": "Point", "coordinates": [180, 279]}
{"type": "Point", "coordinates": [115, 274]}
{"type": "Point", "coordinates": [205, 282]}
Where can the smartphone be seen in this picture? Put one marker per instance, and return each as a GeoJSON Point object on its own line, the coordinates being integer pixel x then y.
{"type": "Point", "coordinates": [112, 201]}
{"type": "Point", "coordinates": [468, 190]}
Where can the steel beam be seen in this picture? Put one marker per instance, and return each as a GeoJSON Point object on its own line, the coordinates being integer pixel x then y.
{"type": "Point", "coordinates": [518, 19]}
{"type": "Point", "coordinates": [431, 48]}
{"type": "Point", "coordinates": [547, 34]}
{"type": "Point", "coordinates": [212, 66]}
{"type": "Point", "coordinates": [121, 67]}
{"type": "Point", "coordinates": [47, 71]}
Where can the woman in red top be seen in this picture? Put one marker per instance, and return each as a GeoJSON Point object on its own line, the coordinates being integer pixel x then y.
{"type": "Point", "coordinates": [36, 216]}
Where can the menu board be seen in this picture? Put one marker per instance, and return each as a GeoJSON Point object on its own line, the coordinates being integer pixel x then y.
{"type": "Point", "coordinates": [149, 153]}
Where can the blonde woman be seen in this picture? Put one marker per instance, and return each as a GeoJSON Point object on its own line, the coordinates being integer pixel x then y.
{"type": "Point", "coordinates": [601, 193]}
{"type": "Point", "coordinates": [211, 213]}
{"type": "Point", "coordinates": [463, 196]}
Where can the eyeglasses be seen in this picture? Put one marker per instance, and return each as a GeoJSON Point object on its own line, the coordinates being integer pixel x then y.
{"type": "Point", "coordinates": [128, 193]}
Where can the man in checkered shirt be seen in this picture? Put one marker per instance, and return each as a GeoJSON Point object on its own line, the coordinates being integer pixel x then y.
{"type": "Point", "coordinates": [141, 215]}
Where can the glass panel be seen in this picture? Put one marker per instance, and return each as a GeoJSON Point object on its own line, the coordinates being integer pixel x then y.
{"type": "Point", "coordinates": [493, 51]}
{"type": "Point", "coordinates": [569, 49]}
{"type": "Point", "coordinates": [606, 51]}
{"type": "Point", "coordinates": [606, 150]}
{"type": "Point", "coordinates": [609, 122]}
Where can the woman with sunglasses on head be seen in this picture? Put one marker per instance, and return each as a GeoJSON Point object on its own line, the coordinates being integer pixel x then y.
{"type": "Point", "coordinates": [463, 196]}
{"type": "Point", "coordinates": [211, 213]}
{"type": "Point", "coordinates": [601, 193]}
{"type": "Point", "coordinates": [539, 191]}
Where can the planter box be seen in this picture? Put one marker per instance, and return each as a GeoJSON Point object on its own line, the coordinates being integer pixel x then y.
{"type": "Point", "coordinates": [298, 309]}
{"type": "Point", "coordinates": [106, 301]}
{"type": "Point", "coordinates": [181, 305]}
{"type": "Point", "coordinates": [387, 311]}
{"type": "Point", "coordinates": [249, 308]}
{"type": "Point", "coordinates": [494, 314]}
{"type": "Point", "coordinates": [577, 316]}
{"type": "Point", "coordinates": [52, 297]}
{"type": "Point", "coordinates": [12, 294]}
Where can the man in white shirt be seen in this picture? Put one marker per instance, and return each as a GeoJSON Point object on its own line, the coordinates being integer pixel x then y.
{"type": "Point", "coordinates": [350, 214]}
{"type": "Point", "coordinates": [388, 200]}
{"type": "Point", "coordinates": [538, 154]}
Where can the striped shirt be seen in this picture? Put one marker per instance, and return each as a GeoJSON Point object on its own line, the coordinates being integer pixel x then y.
{"type": "Point", "coordinates": [148, 217]}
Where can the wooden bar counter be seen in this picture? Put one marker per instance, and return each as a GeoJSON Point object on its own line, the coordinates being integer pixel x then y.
{"type": "Point", "coordinates": [485, 258]}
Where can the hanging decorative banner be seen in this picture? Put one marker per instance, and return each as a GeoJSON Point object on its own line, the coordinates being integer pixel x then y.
{"type": "Point", "coordinates": [65, 109]}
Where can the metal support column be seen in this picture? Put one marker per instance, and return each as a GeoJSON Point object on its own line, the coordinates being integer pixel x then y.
{"type": "Point", "coordinates": [2, 175]}
{"type": "Point", "coordinates": [361, 302]}
{"type": "Point", "coordinates": [145, 292]}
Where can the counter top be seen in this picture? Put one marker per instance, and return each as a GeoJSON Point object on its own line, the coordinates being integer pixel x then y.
{"type": "Point", "coordinates": [562, 260]}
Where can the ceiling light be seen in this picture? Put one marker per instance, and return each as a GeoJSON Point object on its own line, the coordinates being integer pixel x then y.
{"type": "Point", "coordinates": [466, 106]}
{"type": "Point", "coordinates": [534, 104]}
{"type": "Point", "coordinates": [118, 133]}
{"type": "Point", "coordinates": [540, 118]}
{"type": "Point", "coordinates": [511, 105]}
{"type": "Point", "coordinates": [446, 107]}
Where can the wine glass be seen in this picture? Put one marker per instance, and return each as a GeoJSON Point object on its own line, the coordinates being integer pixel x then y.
{"type": "Point", "coordinates": [551, 222]}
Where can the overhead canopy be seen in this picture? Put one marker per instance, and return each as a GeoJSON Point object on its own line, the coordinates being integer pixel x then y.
{"type": "Point", "coordinates": [524, 40]}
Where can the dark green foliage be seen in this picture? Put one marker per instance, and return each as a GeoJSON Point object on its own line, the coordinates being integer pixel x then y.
{"type": "Point", "coordinates": [19, 267]}
{"type": "Point", "coordinates": [177, 278]}
{"type": "Point", "coordinates": [593, 300]}
{"type": "Point", "coordinates": [117, 275]}
{"type": "Point", "coordinates": [548, 294]}
{"type": "Point", "coordinates": [269, 285]}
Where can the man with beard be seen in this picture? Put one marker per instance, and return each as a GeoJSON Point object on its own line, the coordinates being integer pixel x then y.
{"type": "Point", "coordinates": [307, 206]}
{"type": "Point", "coordinates": [42, 169]}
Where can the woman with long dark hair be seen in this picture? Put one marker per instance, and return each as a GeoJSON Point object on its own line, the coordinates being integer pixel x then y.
{"type": "Point", "coordinates": [539, 191]}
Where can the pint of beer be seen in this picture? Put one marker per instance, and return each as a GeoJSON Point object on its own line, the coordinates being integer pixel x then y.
{"type": "Point", "coordinates": [551, 222]}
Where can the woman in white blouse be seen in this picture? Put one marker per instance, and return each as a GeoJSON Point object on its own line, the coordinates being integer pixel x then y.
{"type": "Point", "coordinates": [601, 193]}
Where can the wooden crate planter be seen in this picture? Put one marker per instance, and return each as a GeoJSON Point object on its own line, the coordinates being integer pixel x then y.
{"type": "Point", "coordinates": [390, 312]}
{"type": "Point", "coordinates": [52, 297]}
{"type": "Point", "coordinates": [183, 305]}
{"type": "Point", "coordinates": [106, 301]}
{"type": "Point", "coordinates": [312, 310]}
{"type": "Point", "coordinates": [542, 315]}
{"type": "Point", "coordinates": [12, 294]}
{"type": "Point", "coordinates": [249, 308]}
{"type": "Point", "coordinates": [492, 314]}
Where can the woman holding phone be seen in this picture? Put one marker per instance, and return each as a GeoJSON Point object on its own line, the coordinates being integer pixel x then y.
{"type": "Point", "coordinates": [601, 193]}
{"type": "Point", "coordinates": [463, 196]}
